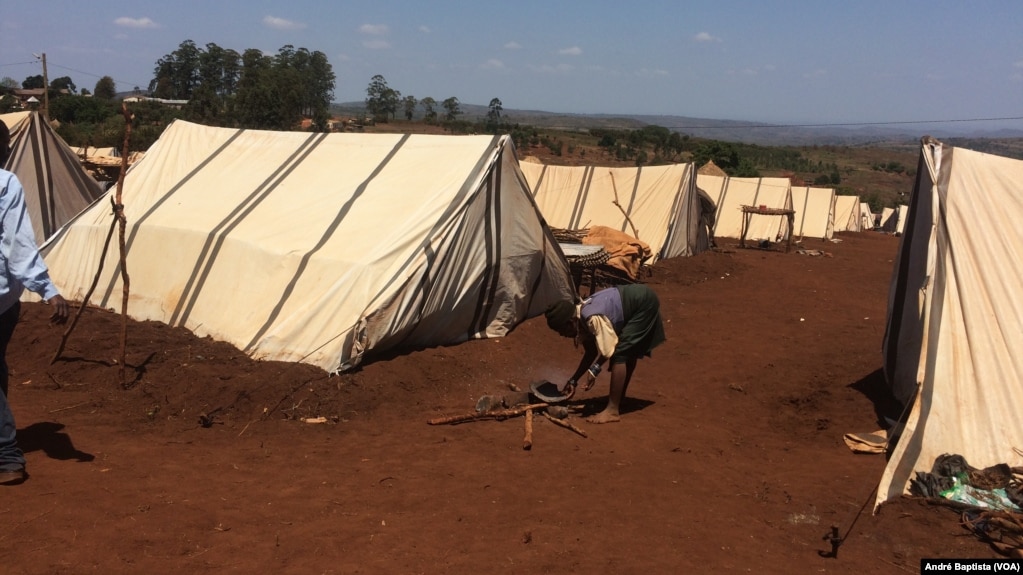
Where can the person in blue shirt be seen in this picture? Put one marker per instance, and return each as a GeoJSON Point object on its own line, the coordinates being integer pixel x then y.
{"type": "Point", "coordinates": [21, 266]}
{"type": "Point", "coordinates": [619, 324]}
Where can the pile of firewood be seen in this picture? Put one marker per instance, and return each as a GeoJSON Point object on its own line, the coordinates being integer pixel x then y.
{"type": "Point", "coordinates": [556, 414]}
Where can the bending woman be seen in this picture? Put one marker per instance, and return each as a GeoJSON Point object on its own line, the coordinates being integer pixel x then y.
{"type": "Point", "coordinates": [620, 324]}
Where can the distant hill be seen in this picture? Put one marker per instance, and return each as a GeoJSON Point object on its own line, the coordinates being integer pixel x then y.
{"type": "Point", "coordinates": [747, 132]}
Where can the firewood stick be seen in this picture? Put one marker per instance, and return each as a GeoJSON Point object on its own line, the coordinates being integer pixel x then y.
{"type": "Point", "coordinates": [564, 424]}
{"type": "Point", "coordinates": [475, 416]}
{"type": "Point", "coordinates": [527, 441]}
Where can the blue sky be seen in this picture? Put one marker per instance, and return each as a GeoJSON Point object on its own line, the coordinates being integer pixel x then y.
{"type": "Point", "coordinates": [789, 62]}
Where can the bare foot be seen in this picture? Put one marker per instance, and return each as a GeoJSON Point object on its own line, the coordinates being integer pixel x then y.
{"type": "Point", "coordinates": [604, 417]}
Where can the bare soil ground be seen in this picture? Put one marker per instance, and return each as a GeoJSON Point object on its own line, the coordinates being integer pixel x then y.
{"type": "Point", "coordinates": [729, 457]}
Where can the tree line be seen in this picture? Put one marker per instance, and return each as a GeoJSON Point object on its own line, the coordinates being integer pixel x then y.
{"type": "Point", "coordinates": [215, 86]}
{"type": "Point", "coordinates": [222, 87]}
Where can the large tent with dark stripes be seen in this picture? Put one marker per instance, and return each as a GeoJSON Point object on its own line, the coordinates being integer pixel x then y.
{"type": "Point", "coordinates": [56, 186]}
{"type": "Point", "coordinates": [325, 249]}
{"type": "Point", "coordinates": [658, 205]}
{"type": "Point", "coordinates": [953, 347]}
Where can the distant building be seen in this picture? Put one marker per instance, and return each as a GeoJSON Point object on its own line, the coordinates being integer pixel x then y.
{"type": "Point", "coordinates": [177, 104]}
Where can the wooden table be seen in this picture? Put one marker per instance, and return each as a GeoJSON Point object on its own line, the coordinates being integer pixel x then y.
{"type": "Point", "coordinates": [749, 211]}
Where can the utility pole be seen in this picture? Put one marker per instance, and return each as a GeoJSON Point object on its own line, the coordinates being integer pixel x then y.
{"type": "Point", "coordinates": [46, 89]}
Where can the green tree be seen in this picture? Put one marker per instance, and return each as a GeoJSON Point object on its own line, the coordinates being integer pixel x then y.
{"type": "Point", "coordinates": [308, 83]}
{"type": "Point", "coordinates": [258, 103]}
{"type": "Point", "coordinates": [63, 83]}
{"type": "Point", "coordinates": [33, 82]}
{"type": "Point", "coordinates": [723, 154]}
{"type": "Point", "coordinates": [177, 74]}
{"type": "Point", "coordinates": [8, 103]}
{"type": "Point", "coordinates": [105, 89]}
{"type": "Point", "coordinates": [452, 108]}
{"type": "Point", "coordinates": [76, 109]}
{"type": "Point", "coordinates": [429, 109]}
{"type": "Point", "coordinates": [8, 84]}
{"type": "Point", "coordinates": [319, 81]}
{"type": "Point", "coordinates": [408, 104]}
{"type": "Point", "coordinates": [376, 97]}
{"type": "Point", "coordinates": [494, 115]}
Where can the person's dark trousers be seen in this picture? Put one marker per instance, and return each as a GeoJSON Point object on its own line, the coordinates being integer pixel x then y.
{"type": "Point", "coordinates": [11, 457]}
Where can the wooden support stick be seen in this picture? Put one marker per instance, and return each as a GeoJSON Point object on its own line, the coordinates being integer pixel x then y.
{"type": "Point", "coordinates": [614, 188]}
{"type": "Point", "coordinates": [494, 414]}
{"type": "Point", "coordinates": [527, 441]}
{"type": "Point", "coordinates": [564, 424]}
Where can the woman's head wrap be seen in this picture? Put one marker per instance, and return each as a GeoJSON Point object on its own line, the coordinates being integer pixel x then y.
{"type": "Point", "coordinates": [559, 314]}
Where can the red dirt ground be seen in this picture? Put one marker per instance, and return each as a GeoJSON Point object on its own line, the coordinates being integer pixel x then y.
{"type": "Point", "coordinates": [729, 457]}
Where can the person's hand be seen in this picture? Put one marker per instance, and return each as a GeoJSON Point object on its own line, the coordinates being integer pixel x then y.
{"type": "Point", "coordinates": [60, 309]}
{"type": "Point", "coordinates": [569, 390]}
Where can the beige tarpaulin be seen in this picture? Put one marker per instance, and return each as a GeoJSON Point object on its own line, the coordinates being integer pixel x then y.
{"type": "Point", "coordinates": [56, 186]}
{"type": "Point", "coordinates": [658, 205]}
{"type": "Point", "coordinates": [320, 248]}
{"type": "Point", "coordinates": [953, 347]}
{"type": "Point", "coordinates": [627, 253]}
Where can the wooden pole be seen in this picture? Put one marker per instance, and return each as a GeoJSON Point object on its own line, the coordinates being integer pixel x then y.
{"type": "Point", "coordinates": [477, 416]}
{"type": "Point", "coordinates": [122, 221]}
{"type": "Point", "coordinates": [118, 211]}
{"type": "Point", "coordinates": [635, 232]}
{"type": "Point", "coordinates": [564, 424]}
{"type": "Point", "coordinates": [527, 441]}
{"type": "Point", "coordinates": [46, 91]}
{"type": "Point", "coordinates": [88, 294]}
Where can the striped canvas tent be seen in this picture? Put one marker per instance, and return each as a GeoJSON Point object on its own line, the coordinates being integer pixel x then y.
{"type": "Point", "coordinates": [730, 194]}
{"type": "Point", "coordinates": [656, 204]}
{"type": "Point", "coordinates": [56, 186]}
{"type": "Point", "coordinates": [323, 248]}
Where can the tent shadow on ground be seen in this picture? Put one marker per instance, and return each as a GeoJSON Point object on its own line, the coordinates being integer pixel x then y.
{"type": "Point", "coordinates": [48, 437]}
{"type": "Point", "coordinates": [876, 389]}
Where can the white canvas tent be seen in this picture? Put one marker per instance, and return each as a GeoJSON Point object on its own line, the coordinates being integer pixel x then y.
{"type": "Point", "coordinates": [847, 214]}
{"type": "Point", "coordinates": [322, 248]}
{"type": "Point", "coordinates": [730, 194]}
{"type": "Point", "coordinates": [893, 220]}
{"type": "Point", "coordinates": [889, 219]}
{"type": "Point", "coordinates": [815, 212]}
{"type": "Point", "coordinates": [657, 204]}
{"type": "Point", "coordinates": [900, 219]}
{"type": "Point", "coordinates": [953, 347]}
{"type": "Point", "coordinates": [56, 186]}
{"type": "Point", "coordinates": [866, 217]}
